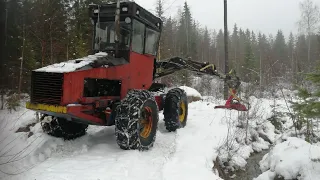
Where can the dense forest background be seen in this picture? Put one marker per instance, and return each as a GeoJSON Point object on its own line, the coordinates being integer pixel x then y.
{"type": "Point", "coordinates": [35, 33]}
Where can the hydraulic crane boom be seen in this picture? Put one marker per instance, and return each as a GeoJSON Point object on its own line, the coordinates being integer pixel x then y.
{"type": "Point", "coordinates": [172, 65]}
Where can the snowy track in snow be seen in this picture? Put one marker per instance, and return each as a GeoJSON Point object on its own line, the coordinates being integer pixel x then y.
{"type": "Point", "coordinates": [185, 154]}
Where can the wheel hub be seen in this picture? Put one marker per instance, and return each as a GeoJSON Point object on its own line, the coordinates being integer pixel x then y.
{"type": "Point", "coordinates": [146, 122]}
{"type": "Point", "coordinates": [182, 111]}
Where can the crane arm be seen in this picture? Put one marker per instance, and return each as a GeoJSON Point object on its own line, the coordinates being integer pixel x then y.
{"type": "Point", "coordinates": [172, 65]}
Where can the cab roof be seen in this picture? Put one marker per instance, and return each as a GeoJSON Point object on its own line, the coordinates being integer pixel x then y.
{"type": "Point", "coordinates": [106, 12]}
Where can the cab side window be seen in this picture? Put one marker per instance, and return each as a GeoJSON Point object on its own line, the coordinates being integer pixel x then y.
{"type": "Point", "coordinates": [138, 37]}
{"type": "Point", "coordinates": [151, 41]}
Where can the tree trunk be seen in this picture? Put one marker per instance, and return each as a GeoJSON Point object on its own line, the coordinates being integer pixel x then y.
{"type": "Point", "coordinates": [42, 53]}
{"type": "Point", "coordinates": [6, 28]}
{"type": "Point", "coordinates": [187, 37]}
{"type": "Point", "coordinates": [51, 49]}
{"type": "Point", "coordinates": [51, 44]}
{"type": "Point", "coordinates": [22, 58]}
{"type": "Point", "coordinates": [309, 47]}
{"type": "Point", "coordinates": [68, 51]}
{"type": "Point", "coordinates": [260, 78]}
{"type": "Point", "coordinates": [218, 58]}
{"type": "Point", "coordinates": [292, 66]}
{"type": "Point", "coordinates": [2, 99]}
{"type": "Point", "coordinates": [226, 67]}
{"type": "Point", "coordinates": [235, 57]}
{"type": "Point", "coordinates": [3, 46]}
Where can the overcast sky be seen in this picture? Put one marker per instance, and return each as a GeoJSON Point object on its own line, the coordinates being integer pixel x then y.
{"type": "Point", "coordinates": [258, 15]}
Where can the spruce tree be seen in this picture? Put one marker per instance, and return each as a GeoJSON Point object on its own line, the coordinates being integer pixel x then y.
{"type": "Point", "coordinates": [249, 63]}
{"type": "Point", "coordinates": [220, 50]}
{"type": "Point", "coordinates": [234, 50]}
{"type": "Point", "coordinates": [308, 108]}
{"type": "Point", "coordinates": [291, 56]}
{"type": "Point", "coordinates": [301, 57]}
{"type": "Point", "coordinates": [280, 54]}
{"type": "Point", "coordinates": [186, 41]}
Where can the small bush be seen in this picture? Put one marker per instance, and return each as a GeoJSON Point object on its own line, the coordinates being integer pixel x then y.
{"type": "Point", "coordinates": [276, 120]}
{"type": "Point", "coordinates": [12, 102]}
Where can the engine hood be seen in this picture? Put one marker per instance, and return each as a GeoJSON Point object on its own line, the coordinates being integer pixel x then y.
{"type": "Point", "coordinates": [97, 60]}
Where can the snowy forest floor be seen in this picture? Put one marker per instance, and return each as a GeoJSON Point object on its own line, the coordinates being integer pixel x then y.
{"type": "Point", "coordinates": [189, 153]}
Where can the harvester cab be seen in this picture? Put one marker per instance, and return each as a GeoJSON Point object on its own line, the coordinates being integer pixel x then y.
{"type": "Point", "coordinates": [124, 28]}
{"type": "Point", "coordinates": [115, 85]}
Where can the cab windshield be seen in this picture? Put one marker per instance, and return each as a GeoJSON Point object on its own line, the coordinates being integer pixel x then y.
{"type": "Point", "coordinates": [105, 36]}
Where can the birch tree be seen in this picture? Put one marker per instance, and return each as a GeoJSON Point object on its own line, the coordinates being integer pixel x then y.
{"type": "Point", "coordinates": [309, 21]}
{"type": "Point", "coordinates": [159, 13]}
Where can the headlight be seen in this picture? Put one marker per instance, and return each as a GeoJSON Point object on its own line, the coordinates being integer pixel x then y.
{"type": "Point", "coordinates": [127, 20]}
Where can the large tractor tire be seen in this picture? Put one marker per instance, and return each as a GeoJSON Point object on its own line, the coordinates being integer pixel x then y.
{"type": "Point", "coordinates": [62, 128]}
{"type": "Point", "coordinates": [136, 121]}
{"type": "Point", "coordinates": [175, 109]}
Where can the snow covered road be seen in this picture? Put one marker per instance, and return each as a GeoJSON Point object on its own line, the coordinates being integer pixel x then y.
{"type": "Point", "coordinates": [185, 154]}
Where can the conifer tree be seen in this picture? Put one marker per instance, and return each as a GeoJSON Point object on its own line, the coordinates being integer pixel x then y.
{"type": "Point", "coordinates": [280, 54]}
{"type": "Point", "coordinates": [301, 54]}
{"type": "Point", "coordinates": [291, 56]}
{"type": "Point", "coordinates": [249, 61]}
{"type": "Point", "coordinates": [234, 50]}
{"type": "Point", "coordinates": [308, 109]}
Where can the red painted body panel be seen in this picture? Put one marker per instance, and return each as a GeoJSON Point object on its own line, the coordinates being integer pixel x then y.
{"type": "Point", "coordinates": [77, 111]}
{"type": "Point", "coordinates": [159, 101]}
{"type": "Point", "coordinates": [135, 75]}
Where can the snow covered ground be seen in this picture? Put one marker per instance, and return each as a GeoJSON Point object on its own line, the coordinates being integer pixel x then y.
{"type": "Point", "coordinates": [185, 154]}
{"type": "Point", "coordinates": [291, 159]}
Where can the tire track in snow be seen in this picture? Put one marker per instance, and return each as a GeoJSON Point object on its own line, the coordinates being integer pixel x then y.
{"type": "Point", "coordinates": [97, 155]}
{"type": "Point", "coordinates": [195, 144]}
{"type": "Point", "coordinates": [53, 152]}
{"type": "Point", "coordinates": [170, 149]}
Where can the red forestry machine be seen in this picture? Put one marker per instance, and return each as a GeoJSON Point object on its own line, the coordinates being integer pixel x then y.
{"type": "Point", "coordinates": [116, 85]}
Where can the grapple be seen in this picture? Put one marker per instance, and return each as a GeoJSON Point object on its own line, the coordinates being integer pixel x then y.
{"type": "Point", "coordinates": [232, 106]}
{"type": "Point", "coordinates": [233, 102]}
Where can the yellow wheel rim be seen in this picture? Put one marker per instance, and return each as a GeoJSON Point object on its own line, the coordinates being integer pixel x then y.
{"type": "Point", "coordinates": [146, 123]}
{"type": "Point", "coordinates": [183, 112]}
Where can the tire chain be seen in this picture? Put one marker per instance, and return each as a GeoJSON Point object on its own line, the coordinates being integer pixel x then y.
{"type": "Point", "coordinates": [57, 128]}
{"type": "Point", "coordinates": [128, 127]}
{"type": "Point", "coordinates": [170, 122]}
